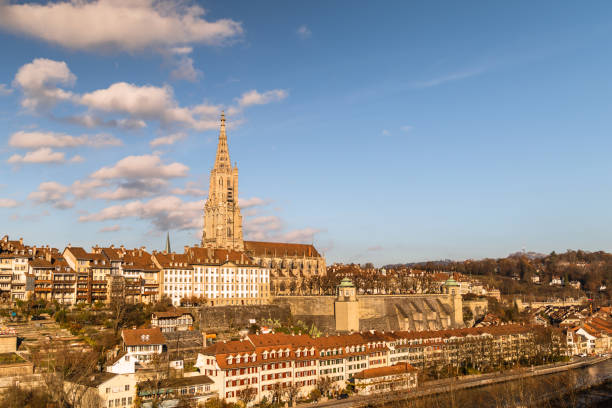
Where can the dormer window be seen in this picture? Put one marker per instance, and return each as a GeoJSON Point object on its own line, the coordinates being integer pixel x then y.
{"type": "Point", "coordinates": [237, 359]}
{"type": "Point", "coordinates": [265, 355]}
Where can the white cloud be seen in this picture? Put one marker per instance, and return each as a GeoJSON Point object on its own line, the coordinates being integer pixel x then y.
{"type": "Point", "coordinates": [87, 188]}
{"type": "Point", "coordinates": [253, 97]}
{"type": "Point", "coordinates": [132, 105]}
{"type": "Point", "coordinates": [37, 139]}
{"type": "Point", "coordinates": [52, 193]}
{"type": "Point", "coordinates": [8, 203]}
{"type": "Point", "coordinates": [4, 90]}
{"type": "Point", "coordinates": [39, 81]}
{"type": "Point", "coordinates": [385, 132]}
{"type": "Point", "coordinates": [167, 140]}
{"type": "Point", "coordinates": [89, 120]}
{"type": "Point", "coordinates": [141, 167]}
{"type": "Point", "coordinates": [304, 32]}
{"type": "Point", "coordinates": [406, 128]}
{"type": "Point", "coordinates": [42, 155]}
{"type": "Point", "coordinates": [251, 202]}
{"type": "Point", "coordinates": [150, 103]}
{"type": "Point", "coordinates": [125, 25]}
{"type": "Point", "coordinates": [110, 228]}
{"type": "Point", "coordinates": [259, 228]}
{"type": "Point", "coordinates": [133, 189]}
{"type": "Point", "coordinates": [166, 212]}
{"type": "Point", "coordinates": [77, 159]}
{"type": "Point", "coordinates": [191, 189]}
{"type": "Point", "coordinates": [305, 235]}
{"type": "Point", "coordinates": [185, 70]}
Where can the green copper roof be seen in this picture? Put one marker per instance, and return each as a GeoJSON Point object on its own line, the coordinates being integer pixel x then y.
{"type": "Point", "coordinates": [451, 282]}
{"type": "Point", "coordinates": [346, 283]}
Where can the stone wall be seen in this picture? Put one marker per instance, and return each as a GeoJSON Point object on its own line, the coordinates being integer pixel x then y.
{"type": "Point", "coordinates": [232, 317]}
{"type": "Point", "coordinates": [479, 307]}
{"type": "Point", "coordinates": [8, 344]}
{"type": "Point", "coordinates": [378, 312]}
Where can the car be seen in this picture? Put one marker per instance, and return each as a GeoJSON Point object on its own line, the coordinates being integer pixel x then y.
{"type": "Point", "coordinates": [342, 396]}
{"type": "Point", "coordinates": [582, 355]}
{"type": "Point", "coordinates": [39, 318]}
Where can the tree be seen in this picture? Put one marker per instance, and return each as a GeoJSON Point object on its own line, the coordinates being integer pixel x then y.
{"type": "Point", "coordinates": [324, 385]}
{"type": "Point", "coordinates": [314, 395]}
{"type": "Point", "coordinates": [17, 397]}
{"type": "Point", "coordinates": [247, 395]}
{"type": "Point", "coordinates": [156, 379]}
{"type": "Point", "coordinates": [292, 391]}
{"type": "Point", "coordinates": [64, 371]}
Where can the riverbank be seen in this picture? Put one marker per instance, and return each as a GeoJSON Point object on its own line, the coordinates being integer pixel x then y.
{"type": "Point", "coordinates": [453, 385]}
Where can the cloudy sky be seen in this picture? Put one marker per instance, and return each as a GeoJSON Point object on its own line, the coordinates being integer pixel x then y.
{"type": "Point", "coordinates": [386, 132]}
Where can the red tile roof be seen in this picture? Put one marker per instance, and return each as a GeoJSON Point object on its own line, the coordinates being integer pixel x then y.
{"type": "Point", "coordinates": [279, 249]}
{"type": "Point", "coordinates": [399, 368]}
{"type": "Point", "coordinates": [141, 337]}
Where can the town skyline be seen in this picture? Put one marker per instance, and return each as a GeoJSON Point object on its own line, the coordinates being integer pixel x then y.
{"type": "Point", "coordinates": [421, 140]}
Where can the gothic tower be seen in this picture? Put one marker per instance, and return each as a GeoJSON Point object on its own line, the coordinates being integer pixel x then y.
{"type": "Point", "coordinates": [222, 219]}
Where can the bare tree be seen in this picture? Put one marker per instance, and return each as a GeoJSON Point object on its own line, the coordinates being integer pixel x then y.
{"type": "Point", "coordinates": [65, 372]}
{"type": "Point", "coordinates": [292, 391]}
{"type": "Point", "coordinates": [155, 378]}
{"type": "Point", "coordinates": [324, 385]}
{"type": "Point", "coordinates": [247, 395]}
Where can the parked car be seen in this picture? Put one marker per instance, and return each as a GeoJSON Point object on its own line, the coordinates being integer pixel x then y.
{"type": "Point", "coordinates": [342, 396]}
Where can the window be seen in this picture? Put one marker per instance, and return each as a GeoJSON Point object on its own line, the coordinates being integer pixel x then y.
{"type": "Point", "coordinates": [127, 387]}
{"type": "Point", "coordinates": [108, 390]}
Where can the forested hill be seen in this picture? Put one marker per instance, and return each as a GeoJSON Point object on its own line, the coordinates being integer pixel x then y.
{"type": "Point", "coordinates": [591, 269]}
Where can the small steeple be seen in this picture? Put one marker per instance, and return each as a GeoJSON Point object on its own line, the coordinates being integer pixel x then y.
{"type": "Point", "coordinates": [222, 160]}
{"type": "Point", "coordinates": [168, 250]}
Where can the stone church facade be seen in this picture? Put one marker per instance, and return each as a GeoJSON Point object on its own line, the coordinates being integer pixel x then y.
{"type": "Point", "coordinates": [288, 263]}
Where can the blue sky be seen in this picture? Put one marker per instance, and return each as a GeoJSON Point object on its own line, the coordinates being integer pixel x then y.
{"type": "Point", "coordinates": [384, 132]}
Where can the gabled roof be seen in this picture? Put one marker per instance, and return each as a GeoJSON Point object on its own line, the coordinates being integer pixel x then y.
{"type": "Point", "coordinates": [142, 337]}
{"type": "Point", "coordinates": [279, 249]}
{"type": "Point", "coordinates": [79, 253]}
{"type": "Point", "coordinates": [218, 256]}
{"type": "Point", "coordinates": [399, 368]}
{"type": "Point", "coordinates": [172, 313]}
{"type": "Point", "coordinates": [173, 261]}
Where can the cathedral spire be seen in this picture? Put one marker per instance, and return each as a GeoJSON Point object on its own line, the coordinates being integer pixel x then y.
{"type": "Point", "coordinates": [222, 160]}
{"type": "Point", "coordinates": [168, 250]}
{"type": "Point", "coordinates": [222, 219]}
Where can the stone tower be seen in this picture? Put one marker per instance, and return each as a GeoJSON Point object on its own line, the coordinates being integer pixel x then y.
{"type": "Point", "coordinates": [346, 306]}
{"type": "Point", "coordinates": [222, 219]}
{"type": "Point", "coordinates": [451, 288]}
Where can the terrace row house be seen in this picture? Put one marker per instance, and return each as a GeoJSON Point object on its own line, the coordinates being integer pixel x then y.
{"type": "Point", "coordinates": [272, 362]}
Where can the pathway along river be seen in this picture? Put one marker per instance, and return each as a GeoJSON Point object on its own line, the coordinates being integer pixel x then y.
{"type": "Point", "coordinates": [588, 387]}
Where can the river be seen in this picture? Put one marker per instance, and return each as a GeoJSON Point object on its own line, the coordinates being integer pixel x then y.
{"type": "Point", "coordinates": [588, 387]}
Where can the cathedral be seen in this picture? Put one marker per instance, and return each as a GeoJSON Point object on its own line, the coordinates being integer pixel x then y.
{"type": "Point", "coordinates": [289, 264]}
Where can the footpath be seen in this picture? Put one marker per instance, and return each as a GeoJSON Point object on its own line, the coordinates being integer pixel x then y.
{"type": "Point", "coordinates": [460, 383]}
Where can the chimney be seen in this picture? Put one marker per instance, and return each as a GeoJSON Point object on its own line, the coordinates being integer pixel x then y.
{"type": "Point", "coordinates": [34, 250]}
{"type": "Point", "coordinates": [186, 248]}
{"type": "Point", "coordinates": [21, 241]}
{"type": "Point", "coordinates": [69, 245]}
